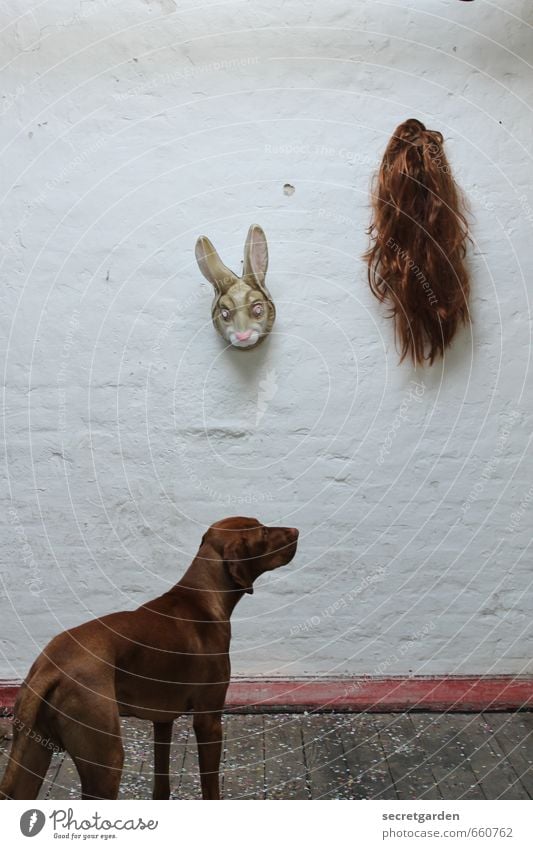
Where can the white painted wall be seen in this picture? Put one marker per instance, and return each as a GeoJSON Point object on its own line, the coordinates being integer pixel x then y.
{"type": "Point", "coordinates": [128, 128]}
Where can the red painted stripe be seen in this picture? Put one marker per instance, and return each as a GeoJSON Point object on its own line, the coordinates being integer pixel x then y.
{"type": "Point", "coordinates": [384, 694]}
{"type": "Point", "coordinates": [8, 693]}
{"type": "Point", "coordinates": [453, 693]}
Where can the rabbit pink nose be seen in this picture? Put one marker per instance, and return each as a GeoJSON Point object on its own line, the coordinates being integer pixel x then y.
{"type": "Point", "coordinates": [242, 337]}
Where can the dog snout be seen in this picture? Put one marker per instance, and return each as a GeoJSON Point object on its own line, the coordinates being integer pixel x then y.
{"type": "Point", "coordinates": [289, 544]}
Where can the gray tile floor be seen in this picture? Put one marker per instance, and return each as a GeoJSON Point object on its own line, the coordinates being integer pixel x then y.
{"type": "Point", "coordinates": [335, 756]}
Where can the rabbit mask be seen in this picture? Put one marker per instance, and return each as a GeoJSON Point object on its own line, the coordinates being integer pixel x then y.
{"type": "Point", "coordinates": [243, 311]}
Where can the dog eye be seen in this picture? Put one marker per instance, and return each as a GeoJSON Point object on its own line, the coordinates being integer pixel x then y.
{"type": "Point", "coordinates": [226, 315]}
{"type": "Point", "coordinates": [258, 310]}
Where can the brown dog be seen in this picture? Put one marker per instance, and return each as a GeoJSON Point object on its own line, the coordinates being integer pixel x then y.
{"type": "Point", "coordinates": [168, 657]}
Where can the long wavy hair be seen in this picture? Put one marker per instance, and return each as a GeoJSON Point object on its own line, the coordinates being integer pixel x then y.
{"type": "Point", "coordinates": [419, 236]}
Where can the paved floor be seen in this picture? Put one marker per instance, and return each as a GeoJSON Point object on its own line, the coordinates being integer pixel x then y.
{"type": "Point", "coordinates": [336, 756]}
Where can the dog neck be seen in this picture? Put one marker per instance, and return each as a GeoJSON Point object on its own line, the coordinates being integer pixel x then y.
{"type": "Point", "coordinates": [208, 578]}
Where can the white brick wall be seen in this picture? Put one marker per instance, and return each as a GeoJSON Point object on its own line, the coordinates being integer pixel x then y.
{"type": "Point", "coordinates": [128, 128]}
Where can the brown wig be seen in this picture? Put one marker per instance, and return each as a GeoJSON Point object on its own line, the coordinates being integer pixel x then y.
{"type": "Point", "coordinates": [419, 234]}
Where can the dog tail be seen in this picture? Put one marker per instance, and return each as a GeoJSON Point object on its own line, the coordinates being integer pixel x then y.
{"type": "Point", "coordinates": [30, 751]}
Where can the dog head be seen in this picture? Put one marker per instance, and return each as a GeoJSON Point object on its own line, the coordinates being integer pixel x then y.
{"type": "Point", "coordinates": [249, 548]}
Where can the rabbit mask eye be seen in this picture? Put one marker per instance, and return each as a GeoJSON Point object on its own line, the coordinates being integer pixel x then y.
{"type": "Point", "coordinates": [258, 310]}
{"type": "Point", "coordinates": [225, 313]}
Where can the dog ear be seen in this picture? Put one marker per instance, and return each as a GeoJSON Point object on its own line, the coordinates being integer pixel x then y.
{"type": "Point", "coordinates": [238, 567]}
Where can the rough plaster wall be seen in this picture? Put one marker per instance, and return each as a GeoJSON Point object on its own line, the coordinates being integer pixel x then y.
{"type": "Point", "coordinates": [128, 128]}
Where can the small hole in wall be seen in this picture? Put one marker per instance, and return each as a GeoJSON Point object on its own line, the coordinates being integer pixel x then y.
{"type": "Point", "coordinates": [288, 189]}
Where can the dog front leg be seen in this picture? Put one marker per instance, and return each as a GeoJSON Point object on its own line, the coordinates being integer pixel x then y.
{"type": "Point", "coordinates": [162, 741]}
{"type": "Point", "coordinates": [208, 730]}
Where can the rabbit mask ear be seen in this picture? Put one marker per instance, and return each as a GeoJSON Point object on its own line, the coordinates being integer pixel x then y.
{"type": "Point", "coordinates": [212, 266]}
{"type": "Point", "coordinates": [256, 254]}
